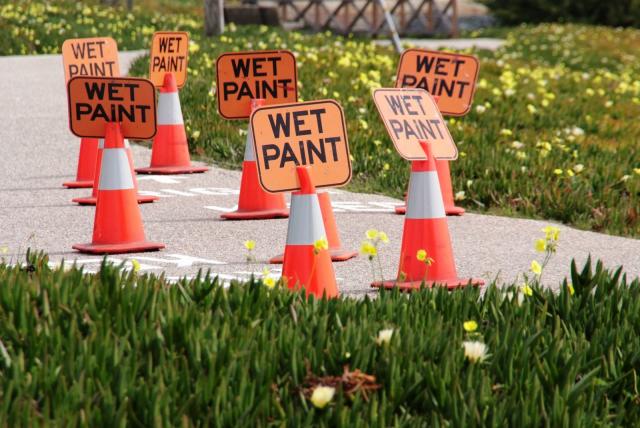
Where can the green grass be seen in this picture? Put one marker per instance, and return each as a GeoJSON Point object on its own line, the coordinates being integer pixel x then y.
{"type": "Point", "coordinates": [35, 27]}
{"type": "Point", "coordinates": [115, 348]}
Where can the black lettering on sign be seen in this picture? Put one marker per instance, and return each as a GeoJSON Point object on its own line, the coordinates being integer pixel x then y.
{"type": "Point", "coordinates": [401, 104]}
{"type": "Point", "coordinates": [299, 151]}
{"type": "Point", "coordinates": [273, 88]}
{"type": "Point", "coordinates": [88, 50]}
{"type": "Point", "coordinates": [308, 152]}
{"type": "Point", "coordinates": [417, 129]}
{"type": "Point", "coordinates": [111, 110]}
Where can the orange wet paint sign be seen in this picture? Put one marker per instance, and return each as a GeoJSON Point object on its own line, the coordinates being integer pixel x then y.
{"type": "Point", "coordinates": [411, 115]}
{"type": "Point", "coordinates": [449, 77]}
{"type": "Point", "coordinates": [93, 56]}
{"type": "Point", "coordinates": [310, 134]}
{"type": "Point", "coordinates": [94, 101]}
{"type": "Point", "coordinates": [169, 54]}
{"type": "Point", "coordinates": [243, 76]}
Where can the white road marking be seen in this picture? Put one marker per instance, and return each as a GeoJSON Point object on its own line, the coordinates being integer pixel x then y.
{"type": "Point", "coordinates": [163, 179]}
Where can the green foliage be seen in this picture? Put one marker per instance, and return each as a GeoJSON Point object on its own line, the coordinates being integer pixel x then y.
{"type": "Point", "coordinates": [115, 348]}
{"type": "Point", "coordinates": [612, 12]}
{"type": "Point", "coordinates": [30, 27]}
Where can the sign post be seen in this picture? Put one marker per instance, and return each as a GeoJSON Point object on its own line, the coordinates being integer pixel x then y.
{"type": "Point", "coordinates": [411, 116]}
{"type": "Point", "coordinates": [244, 81]}
{"type": "Point", "coordinates": [96, 101]}
{"type": "Point", "coordinates": [244, 76]}
{"type": "Point", "coordinates": [95, 56]}
{"type": "Point", "coordinates": [169, 54]}
{"type": "Point", "coordinates": [310, 134]}
{"type": "Point", "coordinates": [300, 147]}
{"type": "Point", "coordinates": [450, 77]}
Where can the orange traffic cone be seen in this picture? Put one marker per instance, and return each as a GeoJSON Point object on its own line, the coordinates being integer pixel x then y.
{"type": "Point", "coordinates": [91, 200]}
{"type": "Point", "coordinates": [306, 266]}
{"type": "Point", "coordinates": [170, 150]}
{"type": "Point", "coordinates": [117, 226]}
{"type": "Point", "coordinates": [86, 164]}
{"type": "Point", "coordinates": [444, 176]}
{"type": "Point", "coordinates": [425, 228]}
{"type": "Point", "coordinates": [338, 254]}
{"type": "Point", "coordinates": [254, 202]}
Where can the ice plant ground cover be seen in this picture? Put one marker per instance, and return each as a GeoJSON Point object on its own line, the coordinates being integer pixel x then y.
{"type": "Point", "coordinates": [553, 132]}
{"type": "Point", "coordinates": [118, 346]}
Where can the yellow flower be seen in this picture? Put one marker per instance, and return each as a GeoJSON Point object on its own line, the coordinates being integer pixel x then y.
{"type": "Point", "coordinates": [269, 282]}
{"type": "Point", "coordinates": [536, 268]}
{"type": "Point", "coordinates": [557, 171]}
{"type": "Point", "coordinates": [368, 249]}
{"type": "Point", "coordinates": [384, 336]}
{"type": "Point", "coordinates": [321, 244]}
{"type": "Point", "coordinates": [551, 233]}
{"type": "Point", "coordinates": [322, 395]}
{"type": "Point", "coordinates": [572, 291]}
{"type": "Point", "coordinates": [470, 326]}
{"type": "Point", "coordinates": [250, 245]}
{"type": "Point", "coordinates": [135, 264]}
{"type": "Point", "coordinates": [636, 170]}
{"type": "Point", "coordinates": [421, 255]}
{"type": "Point", "coordinates": [541, 245]}
{"type": "Point", "coordinates": [506, 132]}
{"type": "Point", "coordinates": [372, 234]}
{"type": "Point", "coordinates": [383, 237]}
{"type": "Point", "coordinates": [526, 290]}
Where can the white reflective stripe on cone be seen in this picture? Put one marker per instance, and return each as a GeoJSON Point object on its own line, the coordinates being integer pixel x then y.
{"type": "Point", "coordinates": [169, 112]}
{"type": "Point", "coordinates": [424, 199]}
{"type": "Point", "coordinates": [126, 144]}
{"type": "Point", "coordinates": [101, 143]}
{"type": "Point", "coordinates": [305, 220]}
{"type": "Point", "coordinates": [115, 173]}
{"type": "Point", "coordinates": [249, 154]}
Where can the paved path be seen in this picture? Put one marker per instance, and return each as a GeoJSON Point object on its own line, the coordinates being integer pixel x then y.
{"type": "Point", "coordinates": [39, 153]}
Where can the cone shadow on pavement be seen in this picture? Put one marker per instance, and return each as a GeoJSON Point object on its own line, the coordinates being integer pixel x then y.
{"type": "Point", "coordinates": [425, 228]}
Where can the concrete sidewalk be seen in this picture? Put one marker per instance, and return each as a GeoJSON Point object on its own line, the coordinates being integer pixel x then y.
{"type": "Point", "coordinates": [39, 153]}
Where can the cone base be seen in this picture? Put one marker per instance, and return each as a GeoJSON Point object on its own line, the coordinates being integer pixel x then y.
{"type": "Point", "coordinates": [129, 247]}
{"type": "Point", "coordinates": [91, 200]}
{"type": "Point", "coordinates": [337, 255]}
{"type": "Point", "coordinates": [169, 170]}
{"type": "Point", "coordinates": [255, 215]}
{"type": "Point", "coordinates": [454, 210]}
{"type": "Point", "coordinates": [80, 184]}
{"type": "Point", "coordinates": [449, 210]}
{"type": "Point", "coordinates": [450, 284]}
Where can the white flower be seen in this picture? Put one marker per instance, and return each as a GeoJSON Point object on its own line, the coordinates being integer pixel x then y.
{"type": "Point", "coordinates": [474, 351]}
{"type": "Point", "coordinates": [578, 168]}
{"type": "Point", "coordinates": [517, 145]}
{"type": "Point", "coordinates": [577, 131]}
{"type": "Point", "coordinates": [384, 336]}
{"type": "Point", "coordinates": [480, 109]}
{"type": "Point", "coordinates": [460, 196]}
{"type": "Point", "coordinates": [322, 395]}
